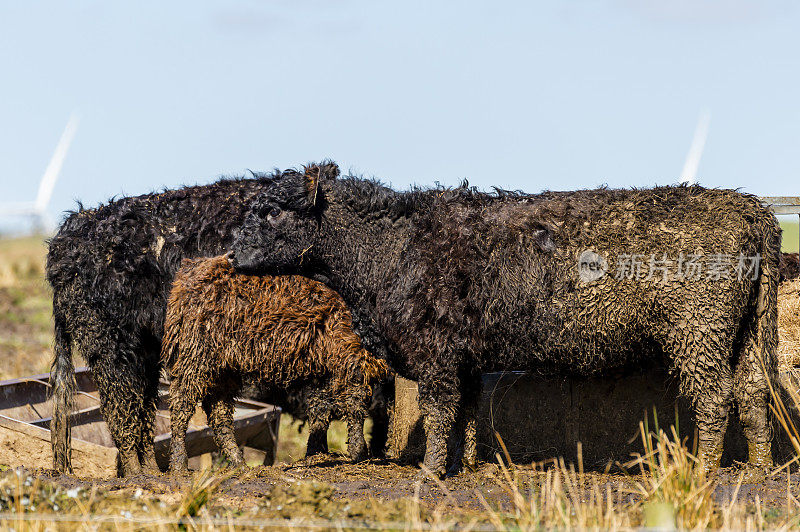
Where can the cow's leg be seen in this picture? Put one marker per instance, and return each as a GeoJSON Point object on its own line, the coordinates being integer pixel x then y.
{"type": "Point", "coordinates": [439, 400]}
{"type": "Point", "coordinates": [356, 444]}
{"type": "Point", "coordinates": [122, 383]}
{"type": "Point", "coordinates": [471, 402]}
{"type": "Point", "coordinates": [148, 460]}
{"type": "Point", "coordinates": [147, 452]}
{"type": "Point", "coordinates": [755, 368]}
{"type": "Point", "coordinates": [712, 405]}
{"type": "Point", "coordinates": [752, 396]}
{"type": "Point", "coordinates": [701, 357]}
{"type": "Point", "coordinates": [219, 406]}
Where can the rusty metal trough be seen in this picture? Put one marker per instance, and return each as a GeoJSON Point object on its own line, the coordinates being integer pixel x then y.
{"type": "Point", "coordinates": [539, 418]}
{"type": "Point", "coordinates": [25, 408]}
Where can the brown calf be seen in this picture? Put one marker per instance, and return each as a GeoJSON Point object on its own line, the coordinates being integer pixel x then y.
{"type": "Point", "coordinates": [290, 334]}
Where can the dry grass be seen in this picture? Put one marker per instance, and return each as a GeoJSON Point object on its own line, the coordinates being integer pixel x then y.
{"type": "Point", "coordinates": [667, 494]}
{"type": "Point", "coordinates": [674, 494]}
{"type": "Point", "coordinates": [28, 502]}
{"type": "Point", "coordinates": [26, 329]}
{"type": "Point", "coordinates": [557, 496]}
{"type": "Point", "coordinates": [22, 261]}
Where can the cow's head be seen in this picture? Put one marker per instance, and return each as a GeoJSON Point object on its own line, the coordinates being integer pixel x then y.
{"type": "Point", "coordinates": [282, 225]}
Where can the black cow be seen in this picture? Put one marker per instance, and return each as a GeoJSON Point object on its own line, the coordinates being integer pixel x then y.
{"type": "Point", "coordinates": [462, 282]}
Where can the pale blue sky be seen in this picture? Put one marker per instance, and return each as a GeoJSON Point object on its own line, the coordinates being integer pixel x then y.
{"type": "Point", "coordinates": [531, 95]}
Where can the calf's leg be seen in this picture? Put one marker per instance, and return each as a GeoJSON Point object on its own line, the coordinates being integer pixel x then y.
{"type": "Point", "coordinates": [219, 408]}
{"type": "Point", "coordinates": [319, 411]}
{"type": "Point", "coordinates": [183, 398]}
{"type": "Point", "coordinates": [355, 413]}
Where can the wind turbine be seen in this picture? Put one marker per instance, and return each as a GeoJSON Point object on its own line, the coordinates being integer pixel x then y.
{"type": "Point", "coordinates": [689, 173]}
{"type": "Point", "coordinates": [37, 210]}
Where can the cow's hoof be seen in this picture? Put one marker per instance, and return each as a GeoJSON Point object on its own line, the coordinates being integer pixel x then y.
{"type": "Point", "coordinates": [180, 474]}
{"type": "Point", "coordinates": [359, 457]}
{"type": "Point", "coordinates": [179, 470]}
{"type": "Point", "coordinates": [754, 474]}
{"type": "Point", "coordinates": [708, 460]}
{"type": "Point", "coordinates": [151, 469]}
{"type": "Point", "coordinates": [238, 470]}
{"type": "Point", "coordinates": [760, 455]}
{"type": "Point", "coordinates": [433, 472]}
{"type": "Point", "coordinates": [424, 478]}
{"type": "Point", "coordinates": [471, 467]}
{"type": "Point", "coordinates": [706, 469]}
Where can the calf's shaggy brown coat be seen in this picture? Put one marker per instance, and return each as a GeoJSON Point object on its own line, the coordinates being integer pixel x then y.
{"type": "Point", "coordinates": [290, 334]}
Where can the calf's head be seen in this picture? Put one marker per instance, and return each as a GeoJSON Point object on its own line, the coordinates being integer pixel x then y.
{"type": "Point", "coordinates": [282, 225]}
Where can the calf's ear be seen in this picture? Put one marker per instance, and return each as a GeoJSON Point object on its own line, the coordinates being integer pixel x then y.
{"type": "Point", "coordinates": [315, 174]}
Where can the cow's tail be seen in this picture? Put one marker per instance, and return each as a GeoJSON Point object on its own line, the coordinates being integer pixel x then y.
{"type": "Point", "coordinates": [62, 380]}
{"type": "Point", "coordinates": [767, 293]}
{"type": "Point", "coordinates": [757, 385]}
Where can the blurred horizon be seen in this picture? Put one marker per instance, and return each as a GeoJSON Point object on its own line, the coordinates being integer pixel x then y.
{"type": "Point", "coordinates": [531, 96]}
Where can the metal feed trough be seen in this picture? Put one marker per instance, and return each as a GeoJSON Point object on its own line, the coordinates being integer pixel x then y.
{"type": "Point", "coordinates": [26, 408]}
{"type": "Point", "coordinates": [539, 418]}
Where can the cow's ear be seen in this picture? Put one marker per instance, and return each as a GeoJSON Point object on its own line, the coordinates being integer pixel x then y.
{"type": "Point", "coordinates": [315, 174]}
{"type": "Point", "coordinates": [544, 240]}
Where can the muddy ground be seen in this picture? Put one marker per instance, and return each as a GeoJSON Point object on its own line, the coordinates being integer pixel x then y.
{"type": "Point", "coordinates": [319, 479]}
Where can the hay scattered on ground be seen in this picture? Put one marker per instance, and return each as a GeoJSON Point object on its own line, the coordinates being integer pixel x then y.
{"type": "Point", "coordinates": [789, 323]}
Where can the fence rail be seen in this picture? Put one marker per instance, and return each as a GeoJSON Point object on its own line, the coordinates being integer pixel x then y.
{"type": "Point", "coordinates": [784, 205]}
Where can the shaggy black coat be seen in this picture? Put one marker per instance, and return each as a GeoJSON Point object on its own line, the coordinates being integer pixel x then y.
{"type": "Point", "coordinates": [462, 282]}
{"type": "Point", "coordinates": [111, 269]}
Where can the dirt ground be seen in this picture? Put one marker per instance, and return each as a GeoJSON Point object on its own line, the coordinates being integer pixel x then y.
{"type": "Point", "coordinates": [332, 477]}
{"type": "Point", "coordinates": [19, 449]}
